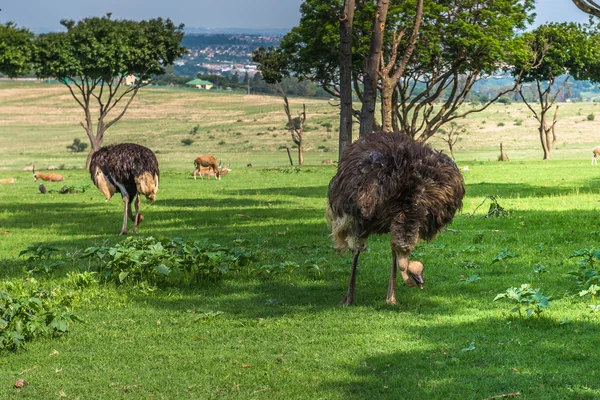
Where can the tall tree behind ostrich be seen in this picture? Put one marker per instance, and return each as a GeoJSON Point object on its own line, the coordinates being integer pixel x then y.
{"type": "Point", "coordinates": [387, 182]}
{"type": "Point", "coordinates": [129, 169]}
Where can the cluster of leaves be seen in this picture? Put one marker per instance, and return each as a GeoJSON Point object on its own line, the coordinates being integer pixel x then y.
{"type": "Point", "coordinates": [38, 258]}
{"type": "Point", "coordinates": [150, 261]}
{"type": "Point", "coordinates": [28, 313]}
{"type": "Point", "coordinates": [526, 297]}
{"type": "Point", "coordinates": [587, 275]}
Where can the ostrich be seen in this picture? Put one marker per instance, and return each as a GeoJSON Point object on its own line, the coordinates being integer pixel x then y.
{"type": "Point", "coordinates": [387, 182]}
{"type": "Point", "coordinates": [129, 169]}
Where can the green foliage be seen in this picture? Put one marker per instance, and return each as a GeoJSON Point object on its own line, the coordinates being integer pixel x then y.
{"type": "Point", "coordinates": [532, 300]}
{"type": "Point", "coordinates": [16, 50]}
{"type": "Point", "coordinates": [148, 261]}
{"type": "Point", "coordinates": [25, 316]}
{"type": "Point", "coordinates": [590, 117]}
{"type": "Point", "coordinates": [99, 49]}
{"type": "Point", "coordinates": [558, 49]}
{"type": "Point", "coordinates": [78, 146]}
{"type": "Point", "coordinates": [187, 142]}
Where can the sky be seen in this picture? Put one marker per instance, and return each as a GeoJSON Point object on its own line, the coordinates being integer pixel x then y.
{"type": "Point", "coordinates": [44, 15]}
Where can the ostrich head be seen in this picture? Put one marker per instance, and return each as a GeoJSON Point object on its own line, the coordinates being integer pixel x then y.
{"type": "Point", "coordinates": [413, 275]}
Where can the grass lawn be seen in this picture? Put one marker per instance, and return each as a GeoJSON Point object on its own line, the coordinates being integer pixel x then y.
{"type": "Point", "coordinates": [271, 328]}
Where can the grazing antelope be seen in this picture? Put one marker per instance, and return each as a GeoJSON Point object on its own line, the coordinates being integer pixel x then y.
{"type": "Point", "coordinates": [47, 177]}
{"type": "Point", "coordinates": [207, 171]}
{"type": "Point", "coordinates": [596, 153]}
{"type": "Point", "coordinates": [129, 169]}
{"type": "Point", "coordinates": [209, 162]}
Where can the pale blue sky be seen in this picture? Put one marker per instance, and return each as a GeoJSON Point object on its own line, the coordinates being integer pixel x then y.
{"type": "Point", "coordinates": [46, 14]}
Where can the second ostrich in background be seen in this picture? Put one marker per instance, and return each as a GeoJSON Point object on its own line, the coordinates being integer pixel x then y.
{"type": "Point", "coordinates": [129, 169]}
{"type": "Point", "coordinates": [387, 182]}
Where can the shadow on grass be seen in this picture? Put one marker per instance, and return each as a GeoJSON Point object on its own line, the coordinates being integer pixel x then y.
{"type": "Point", "coordinates": [479, 360]}
{"type": "Point", "coordinates": [309, 192]}
{"type": "Point", "coordinates": [508, 190]}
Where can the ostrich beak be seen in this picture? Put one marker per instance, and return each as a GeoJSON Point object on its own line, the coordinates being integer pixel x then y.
{"type": "Point", "coordinates": [418, 278]}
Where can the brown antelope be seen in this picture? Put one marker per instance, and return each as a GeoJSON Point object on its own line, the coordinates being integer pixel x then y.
{"type": "Point", "coordinates": [209, 162]}
{"type": "Point", "coordinates": [9, 180]}
{"type": "Point", "coordinates": [328, 161]}
{"type": "Point", "coordinates": [47, 177]}
{"type": "Point", "coordinates": [596, 153]}
{"type": "Point", "coordinates": [207, 171]}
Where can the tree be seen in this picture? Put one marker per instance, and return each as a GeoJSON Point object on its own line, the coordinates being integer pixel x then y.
{"type": "Point", "coordinates": [450, 135]}
{"type": "Point", "coordinates": [16, 50]}
{"type": "Point", "coordinates": [96, 56]}
{"type": "Point", "coordinates": [458, 43]}
{"type": "Point", "coordinates": [272, 64]}
{"type": "Point", "coordinates": [555, 53]}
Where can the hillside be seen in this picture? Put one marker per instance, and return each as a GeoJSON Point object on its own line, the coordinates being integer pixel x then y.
{"type": "Point", "coordinates": [39, 120]}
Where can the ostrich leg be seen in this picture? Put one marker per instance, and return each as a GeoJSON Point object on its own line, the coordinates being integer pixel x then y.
{"type": "Point", "coordinates": [391, 294]}
{"type": "Point", "coordinates": [349, 298]}
{"type": "Point", "coordinates": [126, 205]}
{"type": "Point", "coordinates": [400, 261]}
{"type": "Point", "coordinates": [136, 218]}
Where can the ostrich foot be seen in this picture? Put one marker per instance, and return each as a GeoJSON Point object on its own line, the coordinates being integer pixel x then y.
{"type": "Point", "coordinates": [391, 300]}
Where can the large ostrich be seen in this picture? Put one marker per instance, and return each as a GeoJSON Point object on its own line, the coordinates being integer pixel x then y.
{"type": "Point", "coordinates": [129, 169]}
{"type": "Point", "coordinates": [387, 182]}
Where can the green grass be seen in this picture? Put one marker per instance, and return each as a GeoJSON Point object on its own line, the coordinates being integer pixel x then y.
{"type": "Point", "coordinates": [250, 337]}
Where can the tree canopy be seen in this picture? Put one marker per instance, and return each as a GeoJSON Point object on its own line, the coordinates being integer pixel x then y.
{"type": "Point", "coordinates": [16, 50]}
{"type": "Point", "coordinates": [458, 43]}
{"type": "Point", "coordinates": [96, 57]}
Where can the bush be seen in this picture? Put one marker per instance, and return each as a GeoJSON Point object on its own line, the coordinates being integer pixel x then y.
{"type": "Point", "coordinates": [591, 117]}
{"type": "Point", "coordinates": [77, 146]}
{"type": "Point", "coordinates": [187, 142]}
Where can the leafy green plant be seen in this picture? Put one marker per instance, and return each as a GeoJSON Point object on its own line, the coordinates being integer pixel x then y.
{"type": "Point", "coordinates": [503, 257]}
{"type": "Point", "coordinates": [25, 316]}
{"type": "Point", "coordinates": [532, 300]}
{"type": "Point", "coordinates": [591, 117]}
{"type": "Point", "coordinates": [592, 291]}
{"type": "Point", "coordinates": [152, 262]}
{"type": "Point", "coordinates": [134, 259]}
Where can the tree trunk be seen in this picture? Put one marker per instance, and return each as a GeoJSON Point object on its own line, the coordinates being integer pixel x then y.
{"type": "Point", "coordinates": [300, 154]}
{"type": "Point", "coordinates": [96, 144]}
{"type": "Point", "coordinates": [387, 90]}
{"type": "Point", "coordinates": [367, 112]}
{"type": "Point", "coordinates": [346, 23]}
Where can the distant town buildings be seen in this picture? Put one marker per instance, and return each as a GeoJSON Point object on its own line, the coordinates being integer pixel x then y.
{"type": "Point", "coordinates": [222, 54]}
